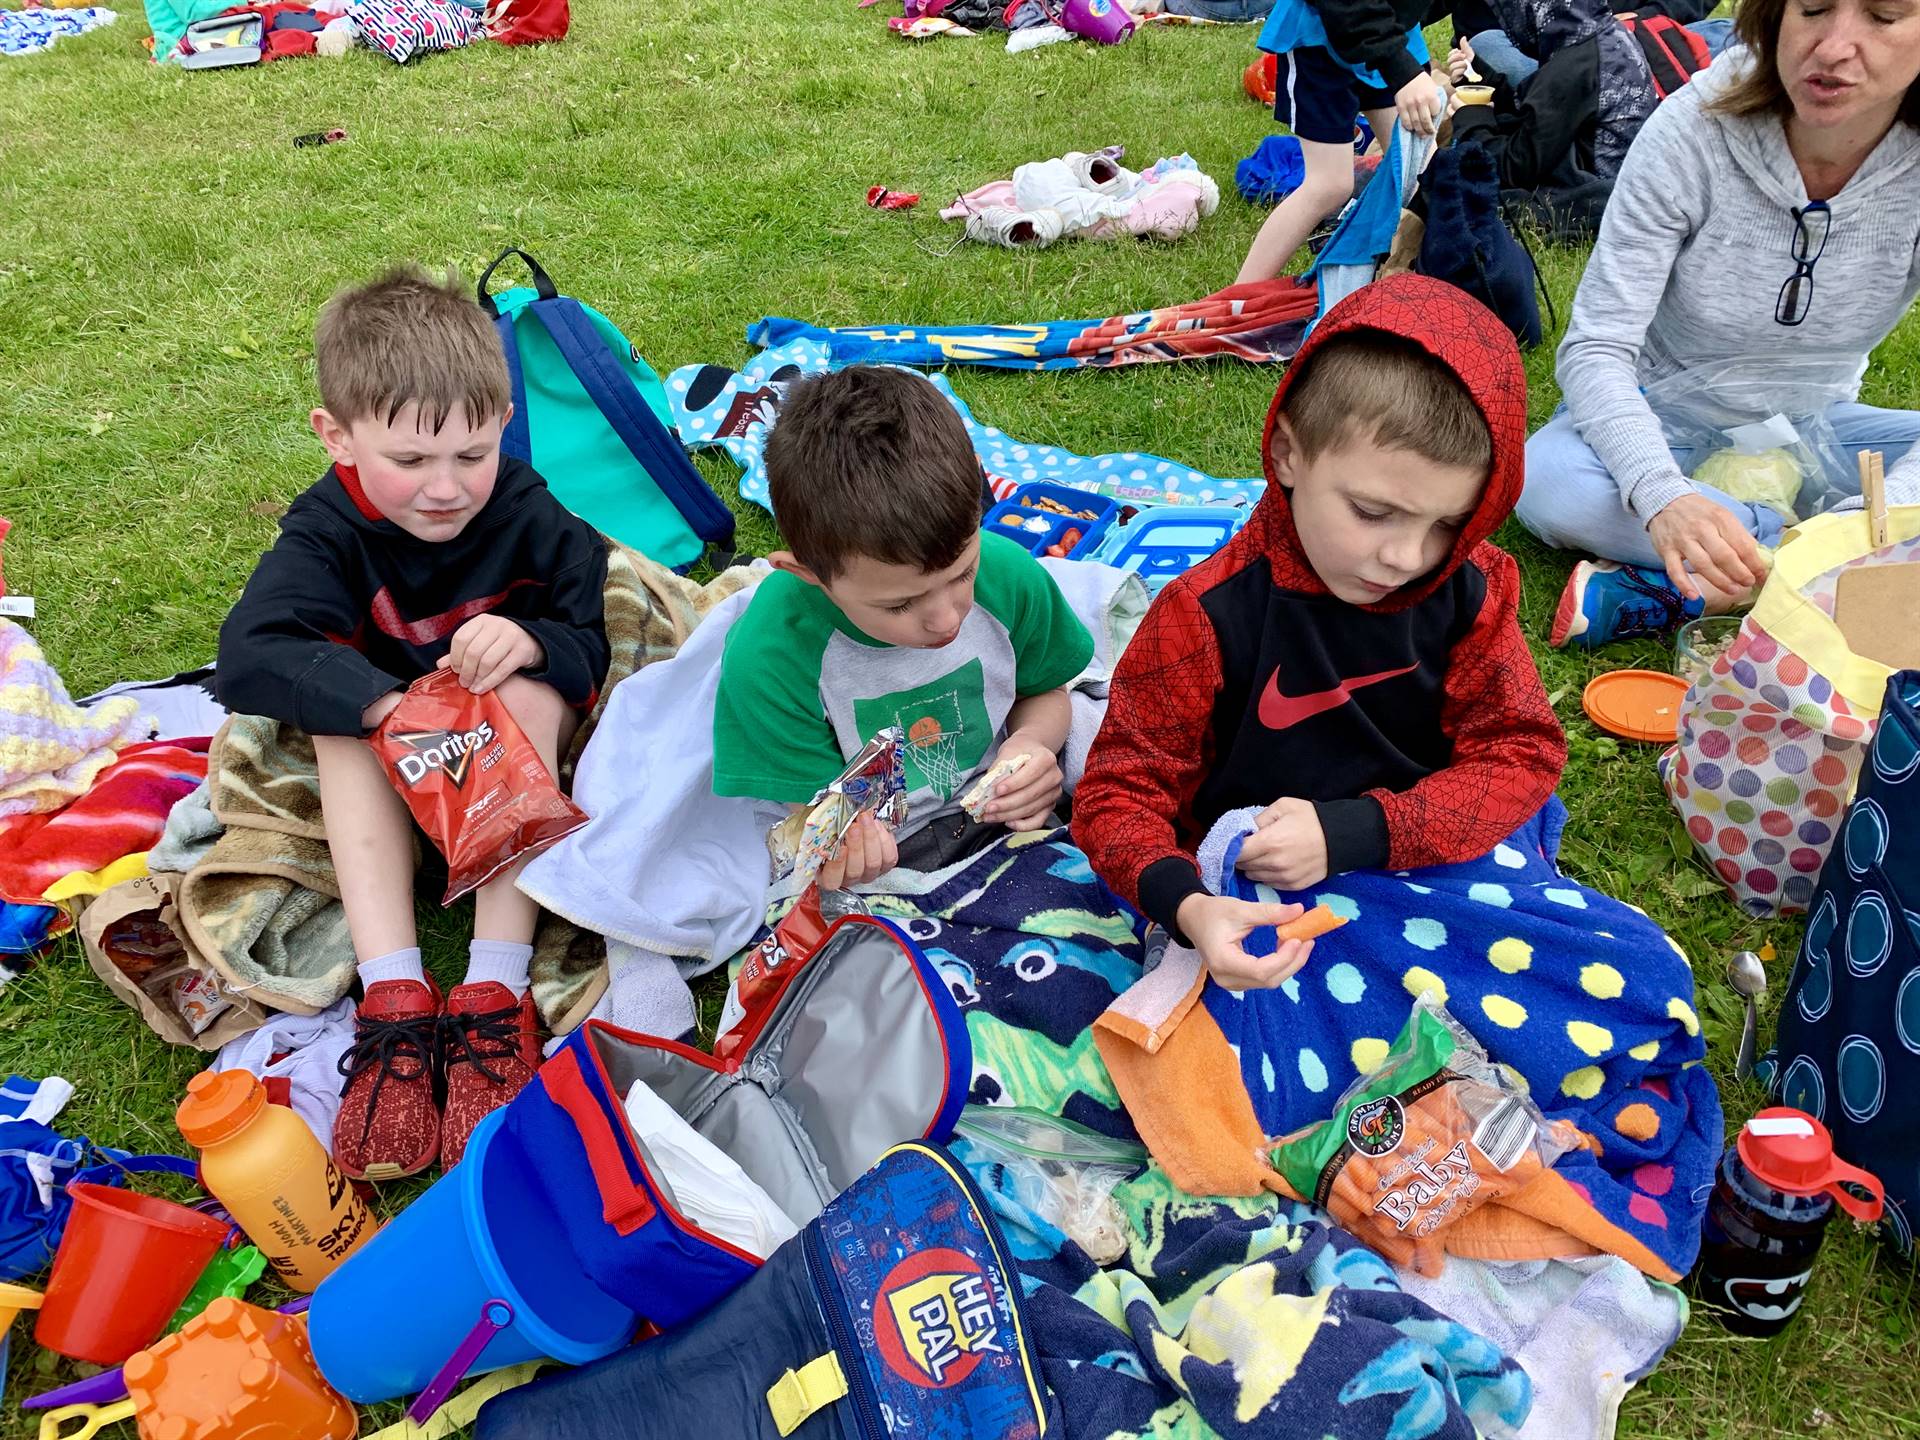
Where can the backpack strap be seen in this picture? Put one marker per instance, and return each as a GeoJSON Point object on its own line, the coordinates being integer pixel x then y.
{"type": "Point", "coordinates": [542, 285]}
{"type": "Point", "coordinates": [626, 410]}
{"type": "Point", "coordinates": [516, 440]}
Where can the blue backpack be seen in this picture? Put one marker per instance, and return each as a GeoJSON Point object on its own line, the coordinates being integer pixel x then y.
{"type": "Point", "coordinates": [591, 416]}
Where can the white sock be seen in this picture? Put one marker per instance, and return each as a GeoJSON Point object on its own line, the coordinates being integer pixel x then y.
{"type": "Point", "coordinates": [501, 961]}
{"type": "Point", "coordinates": [400, 965]}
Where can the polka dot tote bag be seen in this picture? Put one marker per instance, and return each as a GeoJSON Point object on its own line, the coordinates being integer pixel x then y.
{"type": "Point", "coordinates": [1848, 1048]}
{"type": "Point", "coordinates": [1772, 737]}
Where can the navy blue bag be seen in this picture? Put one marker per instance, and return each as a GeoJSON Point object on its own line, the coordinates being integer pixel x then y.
{"type": "Point", "coordinates": [897, 1310]}
{"type": "Point", "coordinates": [1848, 1046]}
{"type": "Point", "coordinates": [1467, 242]}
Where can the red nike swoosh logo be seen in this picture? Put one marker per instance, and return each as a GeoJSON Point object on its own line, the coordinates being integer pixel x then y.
{"type": "Point", "coordinates": [1278, 712]}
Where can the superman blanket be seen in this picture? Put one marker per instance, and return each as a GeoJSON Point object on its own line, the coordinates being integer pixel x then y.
{"type": "Point", "coordinates": [1582, 997]}
{"type": "Point", "coordinates": [1242, 1318]}
{"type": "Point", "coordinates": [1263, 321]}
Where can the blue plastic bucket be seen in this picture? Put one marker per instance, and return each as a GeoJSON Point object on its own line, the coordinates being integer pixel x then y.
{"type": "Point", "coordinates": [384, 1323]}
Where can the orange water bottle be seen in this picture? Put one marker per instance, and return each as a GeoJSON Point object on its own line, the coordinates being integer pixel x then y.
{"type": "Point", "coordinates": [281, 1187]}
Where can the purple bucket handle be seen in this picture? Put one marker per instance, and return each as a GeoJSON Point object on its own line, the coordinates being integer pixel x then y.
{"type": "Point", "coordinates": [495, 1316]}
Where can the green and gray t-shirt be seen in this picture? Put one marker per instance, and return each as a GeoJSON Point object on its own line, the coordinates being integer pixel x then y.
{"type": "Point", "coordinates": [801, 689]}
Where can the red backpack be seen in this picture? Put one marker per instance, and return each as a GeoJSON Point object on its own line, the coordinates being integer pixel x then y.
{"type": "Point", "coordinates": [1674, 53]}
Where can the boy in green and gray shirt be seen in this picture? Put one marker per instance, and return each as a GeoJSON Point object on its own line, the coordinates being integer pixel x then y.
{"type": "Point", "coordinates": [892, 608]}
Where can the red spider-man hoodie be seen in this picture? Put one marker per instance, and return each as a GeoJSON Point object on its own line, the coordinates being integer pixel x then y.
{"type": "Point", "coordinates": [1416, 726]}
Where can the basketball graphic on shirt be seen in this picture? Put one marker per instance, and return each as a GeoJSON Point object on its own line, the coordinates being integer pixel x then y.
{"type": "Point", "coordinates": [946, 725]}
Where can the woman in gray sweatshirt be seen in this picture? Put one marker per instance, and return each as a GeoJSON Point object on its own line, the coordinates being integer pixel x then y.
{"type": "Point", "coordinates": [1770, 209]}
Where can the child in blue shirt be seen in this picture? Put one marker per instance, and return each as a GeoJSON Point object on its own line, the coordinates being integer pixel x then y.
{"type": "Point", "coordinates": [1339, 59]}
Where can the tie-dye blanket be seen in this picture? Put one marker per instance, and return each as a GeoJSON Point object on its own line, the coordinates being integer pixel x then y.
{"type": "Point", "coordinates": [1583, 997]}
{"type": "Point", "coordinates": [714, 406]}
{"type": "Point", "coordinates": [1241, 1318]}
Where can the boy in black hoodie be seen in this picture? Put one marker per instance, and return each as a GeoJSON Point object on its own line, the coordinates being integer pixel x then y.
{"type": "Point", "coordinates": [1352, 660]}
{"type": "Point", "coordinates": [1339, 59]}
{"type": "Point", "coordinates": [420, 548]}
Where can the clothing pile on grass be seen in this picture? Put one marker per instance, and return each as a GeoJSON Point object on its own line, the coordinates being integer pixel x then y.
{"type": "Point", "coordinates": [1089, 196]}
{"type": "Point", "coordinates": [207, 33]}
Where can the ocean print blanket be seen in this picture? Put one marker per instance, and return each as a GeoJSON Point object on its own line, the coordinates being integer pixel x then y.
{"type": "Point", "coordinates": [1580, 996]}
{"type": "Point", "coordinates": [734, 410]}
{"type": "Point", "coordinates": [1242, 1318]}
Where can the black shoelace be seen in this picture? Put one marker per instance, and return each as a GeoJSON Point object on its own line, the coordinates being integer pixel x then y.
{"type": "Point", "coordinates": [497, 1033]}
{"type": "Point", "coordinates": [377, 1044]}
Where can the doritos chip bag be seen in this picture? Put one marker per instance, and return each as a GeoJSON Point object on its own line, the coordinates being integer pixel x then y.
{"type": "Point", "coordinates": [472, 779]}
{"type": "Point", "coordinates": [1430, 1135]}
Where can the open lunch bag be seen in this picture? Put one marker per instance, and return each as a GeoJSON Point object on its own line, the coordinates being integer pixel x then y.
{"type": "Point", "coordinates": [865, 1049]}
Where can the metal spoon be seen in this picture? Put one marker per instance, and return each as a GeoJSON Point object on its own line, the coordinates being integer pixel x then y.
{"type": "Point", "coordinates": [1747, 974]}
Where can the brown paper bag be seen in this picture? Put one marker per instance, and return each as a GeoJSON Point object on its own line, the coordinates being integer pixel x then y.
{"type": "Point", "coordinates": [134, 945]}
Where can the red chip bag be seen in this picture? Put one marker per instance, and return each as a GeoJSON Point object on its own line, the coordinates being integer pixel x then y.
{"type": "Point", "coordinates": [472, 779]}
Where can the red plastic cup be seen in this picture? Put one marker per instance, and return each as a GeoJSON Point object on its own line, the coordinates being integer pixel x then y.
{"type": "Point", "coordinates": [124, 1266]}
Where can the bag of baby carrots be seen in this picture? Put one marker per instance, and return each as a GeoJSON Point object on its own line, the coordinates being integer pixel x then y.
{"type": "Point", "coordinates": [1430, 1135]}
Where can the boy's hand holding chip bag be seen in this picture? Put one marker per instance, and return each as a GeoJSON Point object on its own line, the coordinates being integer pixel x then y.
{"type": "Point", "coordinates": [488, 649]}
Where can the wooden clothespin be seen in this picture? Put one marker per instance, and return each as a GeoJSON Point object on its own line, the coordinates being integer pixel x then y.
{"type": "Point", "coordinates": [1873, 489]}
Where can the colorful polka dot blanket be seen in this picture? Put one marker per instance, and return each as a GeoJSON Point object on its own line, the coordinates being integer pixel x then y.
{"type": "Point", "coordinates": [1254, 1319]}
{"type": "Point", "coordinates": [1580, 996]}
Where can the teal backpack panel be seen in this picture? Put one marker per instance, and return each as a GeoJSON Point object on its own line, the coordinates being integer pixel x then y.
{"type": "Point", "coordinates": [591, 416]}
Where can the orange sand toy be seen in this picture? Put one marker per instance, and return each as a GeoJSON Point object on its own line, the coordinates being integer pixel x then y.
{"type": "Point", "coordinates": [236, 1373]}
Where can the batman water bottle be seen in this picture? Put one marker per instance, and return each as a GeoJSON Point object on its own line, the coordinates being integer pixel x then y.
{"type": "Point", "coordinates": [1777, 1187]}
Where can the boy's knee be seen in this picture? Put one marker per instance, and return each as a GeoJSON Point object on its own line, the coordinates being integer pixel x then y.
{"type": "Point", "coordinates": [536, 707]}
{"type": "Point", "coordinates": [1326, 193]}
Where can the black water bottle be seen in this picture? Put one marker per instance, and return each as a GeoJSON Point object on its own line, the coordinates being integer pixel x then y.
{"type": "Point", "coordinates": [1777, 1186]}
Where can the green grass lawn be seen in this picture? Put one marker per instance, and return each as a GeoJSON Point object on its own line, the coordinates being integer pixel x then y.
{"type": "Point", "coordinates": [163, 250]}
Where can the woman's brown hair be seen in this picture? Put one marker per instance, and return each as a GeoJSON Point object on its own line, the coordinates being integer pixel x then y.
{"type": "Point", "coordinates": [1756, 23]}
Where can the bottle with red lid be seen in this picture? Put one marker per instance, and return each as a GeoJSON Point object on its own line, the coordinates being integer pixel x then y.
{"type": "Point", "coordinates": [1777, 1187]}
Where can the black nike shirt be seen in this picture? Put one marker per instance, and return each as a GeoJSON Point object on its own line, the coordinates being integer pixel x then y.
{"type": "Point", "coordinates": [1384, 672]}
{"type": "Point", "coordinates": [347, 606]}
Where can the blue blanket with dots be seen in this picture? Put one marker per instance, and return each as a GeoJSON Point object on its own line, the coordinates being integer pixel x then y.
{"type": "Point", "coordinates": [1581, 995]}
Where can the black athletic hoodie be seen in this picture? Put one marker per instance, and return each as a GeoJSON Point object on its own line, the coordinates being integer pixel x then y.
{"type": "Point", "coordinates": [347, 606]}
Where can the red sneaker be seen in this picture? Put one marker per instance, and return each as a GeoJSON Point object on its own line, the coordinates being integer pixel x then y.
{"type": "Point", "coordinates": [389, 1125]}
{"type": "Point", "coordinates": [490, 1048]}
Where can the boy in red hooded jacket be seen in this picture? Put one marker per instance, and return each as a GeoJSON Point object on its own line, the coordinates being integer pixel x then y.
{"type": "Point", "coordinates": [1352, 660]}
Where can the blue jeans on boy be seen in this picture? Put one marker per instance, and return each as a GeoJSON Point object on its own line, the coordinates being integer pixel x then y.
{"type": "Point", "coordinates": [1493, 50]}
{"type": "Point", "coordinates": [1571, 501]}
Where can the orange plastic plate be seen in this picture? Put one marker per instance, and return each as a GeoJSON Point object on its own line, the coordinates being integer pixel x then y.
{"type": "Point", "coordinates": [1635, 704]}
